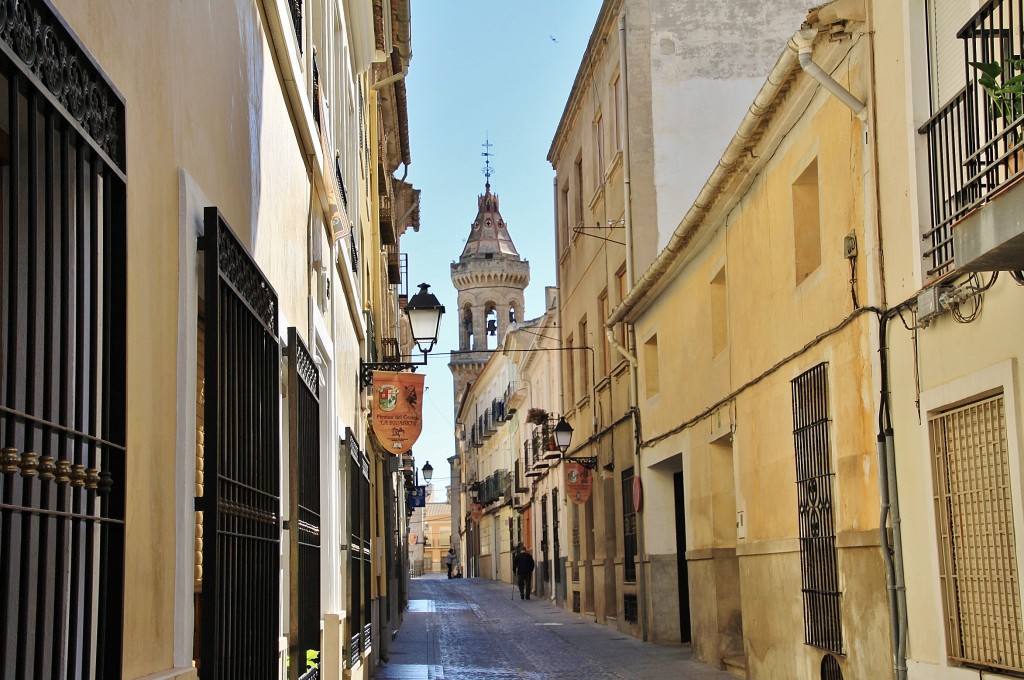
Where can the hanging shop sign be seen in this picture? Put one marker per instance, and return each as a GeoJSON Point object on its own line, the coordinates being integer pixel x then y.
{"type": "Point", "coordinates": [477, 512]}
{"type": "Point", "coordinates": [579, 482]}
{"type": "Point", "coordinates": [397, 409]}
{"type": "Point", "coordinates": [418, 497]}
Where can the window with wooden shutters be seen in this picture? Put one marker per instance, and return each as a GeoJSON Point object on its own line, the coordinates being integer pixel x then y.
{"type": "Point", "coordinates": [977, 549]}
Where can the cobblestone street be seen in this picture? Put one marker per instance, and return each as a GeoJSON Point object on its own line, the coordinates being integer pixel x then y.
{"type": "Point", "coordinates": [473, 629]}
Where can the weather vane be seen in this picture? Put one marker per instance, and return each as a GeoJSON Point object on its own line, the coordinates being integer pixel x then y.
{"type": "Point", "coordinates": [488, 170]}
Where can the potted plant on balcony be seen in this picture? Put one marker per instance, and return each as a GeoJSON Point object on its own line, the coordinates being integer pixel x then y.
{"type": "Point", "coordinates": [537, 416]}
{"type": "Point", "coordinates": [1005, 92]}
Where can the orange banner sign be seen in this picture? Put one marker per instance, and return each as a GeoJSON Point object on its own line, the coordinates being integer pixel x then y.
{"type": "Point", "coordinates": [397, 409]}
{"type": "Point", "coordinates": [579, 481]}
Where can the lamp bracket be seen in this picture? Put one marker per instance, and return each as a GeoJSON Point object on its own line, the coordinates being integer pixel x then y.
{"type": "Point", "coordinates": [366, 368]}
{"type": "Point", "coordinates": [589, 462]}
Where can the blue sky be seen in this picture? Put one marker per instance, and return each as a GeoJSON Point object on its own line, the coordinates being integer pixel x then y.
{"type": "Point", "coordinates": [484, 69]}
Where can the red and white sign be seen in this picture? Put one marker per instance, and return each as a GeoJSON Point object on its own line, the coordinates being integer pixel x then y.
{"type": "Point", "coordinates": [397, 409]}
{"type": "Point", "coordinates": [579, 482]}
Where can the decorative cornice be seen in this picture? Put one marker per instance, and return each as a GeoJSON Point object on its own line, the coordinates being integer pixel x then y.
{"type": "Point", "coordinates": [48, 51]}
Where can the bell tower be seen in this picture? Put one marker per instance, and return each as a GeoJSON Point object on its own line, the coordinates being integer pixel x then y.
{"type": "Point", "coordinates": [490, 278]}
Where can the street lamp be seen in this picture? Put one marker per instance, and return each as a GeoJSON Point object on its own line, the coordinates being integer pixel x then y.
{"type": "Point", "coordinates": [563, 435]}
{"type": "Point", "coordinates": [473, 491]}
{"type": "Point", "coordinates": [424, 312]}
{"type": "Point", "coordinates": [428, 471]}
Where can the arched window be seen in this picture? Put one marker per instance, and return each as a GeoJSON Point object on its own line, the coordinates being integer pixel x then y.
{"type": "Point", "coordinates": [491, 327]}
{"type": "Point", "coordinates": [466, 332]}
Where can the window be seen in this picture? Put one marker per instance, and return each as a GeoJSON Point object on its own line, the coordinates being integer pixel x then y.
{"type": "Point", "coordinates": [563, 216]}
{"type": "Point", "coordinates": [582, 357]}
{"type": "Point", "coordinates": [598, 150]}
{"type": "Point", "coordinates": [359, 548]}
{"type": "Point", "coordinates": [945, 50]}
{"type": "Point", "coordinates": [578, 170]}
{"type": "Point", "coordinates": [304, 499]}
{"type": "Point", "coordinates": [651, 366]}
{"type": "Point", "coordinates": [606, 355]}
{"type": "Point", "coordinates": [617, 111]}
{"type": "Point", "coordinates": [806, 222]}
{"type": "Point", "coordinates": [63, 269]}
{"type": "Point", "coordinates": [973, 507]}
{"type": "Point", "coordinates": [620, 287]}
{"type": "Point", "coordinates": [719, 313]}
{"type": "Point", "coordinates": [628, 528]}
{"type": "Point", "coordinates": [818, 566]}
{"type": "Point", "coordinates": [570, 379]}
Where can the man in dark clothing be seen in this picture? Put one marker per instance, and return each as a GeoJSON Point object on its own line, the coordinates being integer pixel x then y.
{"type": "Point", "coordinates": [523, 565]}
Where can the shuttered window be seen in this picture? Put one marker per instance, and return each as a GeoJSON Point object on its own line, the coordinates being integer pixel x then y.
{"type": "Point", "coordinates": [977, 551]}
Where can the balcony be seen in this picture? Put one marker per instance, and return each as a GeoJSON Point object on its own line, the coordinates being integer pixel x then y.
{"type": "Point", "coordinates": [394, 262]}
{"type": "Point", "coordinates": [976, 157]}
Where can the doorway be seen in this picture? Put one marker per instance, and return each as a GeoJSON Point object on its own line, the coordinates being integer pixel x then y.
{"type": "Point", "coordinates": [682, 566]}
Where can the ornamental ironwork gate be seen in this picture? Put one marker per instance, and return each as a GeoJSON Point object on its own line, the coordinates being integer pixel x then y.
{"type": "Point", "coordinates": [62, 353]}
{"type": "Point", "coordinates": [241, 496]}
{"type": "Point", "coordinates": [304, 502]}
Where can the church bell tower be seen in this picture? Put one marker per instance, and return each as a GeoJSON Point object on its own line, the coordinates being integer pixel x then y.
{"type": "Point", "coordinates": [490, 278]}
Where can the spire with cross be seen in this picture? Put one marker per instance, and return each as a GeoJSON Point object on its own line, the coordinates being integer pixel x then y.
{"type": "Point", "coordinates": [488, 170]}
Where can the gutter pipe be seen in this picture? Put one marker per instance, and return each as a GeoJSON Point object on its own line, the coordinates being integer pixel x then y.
{"type": "Point", "coordinates": [641, 578]}
{"type": "Point", "coordinates": [804, 40]}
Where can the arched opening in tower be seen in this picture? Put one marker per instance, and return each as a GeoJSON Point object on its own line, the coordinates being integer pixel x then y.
{"type": "Point", "coordinates": [492, 327]}
{"type": "Point", "coordinates": [466, 331]}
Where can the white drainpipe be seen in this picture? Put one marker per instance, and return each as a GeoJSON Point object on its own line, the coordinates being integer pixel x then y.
{"type": "Point", "coordinates": [804, 40]}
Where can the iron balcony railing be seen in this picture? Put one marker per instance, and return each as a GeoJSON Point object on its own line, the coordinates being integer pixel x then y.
{"type": "Point", "coordinates": [296, 10]}
{"type": "Point", "coordinates": [975, 144]}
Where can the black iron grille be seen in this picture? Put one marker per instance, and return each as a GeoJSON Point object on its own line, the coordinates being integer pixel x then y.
{"type": "Point", "coordinates": [818, 566]}
{"type": "Point", "coordinates": [630, 609]}
{"type": "Point", "coordinates": [628, 528]}
{"type": "Point", "coordinates": [576, 601]}
{"type": "Point", "coordinates": [304, 480]}
{"type": "Point", "coordinates": [241, 499]}
{"type": "Point", "coordinates": [830, 669]}
{"type": "Point", "coordinates": [62, 354]}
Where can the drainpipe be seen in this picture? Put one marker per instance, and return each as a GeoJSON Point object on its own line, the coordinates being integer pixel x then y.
{"type": "Point", "coordinates": [391, 79]}
{"type": "Point", "coordinates": [895, 578]}
{"type": "Point", "coordinates": [627, 192]}
{"type": "Point", "coordinates": [900, 643]}
{"type": "Point", "coordinates": [630, 353]}
{"type": "Point", "coordinates": [804, 40]}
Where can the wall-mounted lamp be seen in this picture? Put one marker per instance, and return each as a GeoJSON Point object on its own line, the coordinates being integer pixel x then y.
{"type": "Point", "coordinates": [424, 312]}
{"type": "Point", "coordinates": [428, 471]}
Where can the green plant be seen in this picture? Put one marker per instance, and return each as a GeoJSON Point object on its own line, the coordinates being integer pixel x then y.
{"type": "Point", "coordinates": [1004, 89]}
{"type": "Point", "coordinates": [537, 416]}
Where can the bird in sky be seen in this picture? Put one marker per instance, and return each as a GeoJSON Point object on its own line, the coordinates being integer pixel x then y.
{"type": "Point", "coordinates": [553, 38]}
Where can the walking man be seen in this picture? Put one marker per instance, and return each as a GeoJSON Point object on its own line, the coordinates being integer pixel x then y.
{"type": "Point", "coordinates": [449, 560]}
{"type": "Point", "coordinates": [523, 567]}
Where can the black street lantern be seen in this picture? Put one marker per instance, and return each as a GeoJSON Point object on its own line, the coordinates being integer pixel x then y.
{"type": "Point", "coordinates": [563, 435]}
{"type": "Point", "coordinates": [424, 312]}
{"type": "Point", "coordinates": [428, 471]}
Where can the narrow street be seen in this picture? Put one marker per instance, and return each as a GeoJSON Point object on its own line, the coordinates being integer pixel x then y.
{"type": "Point", "coordinates": [474, 629]}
